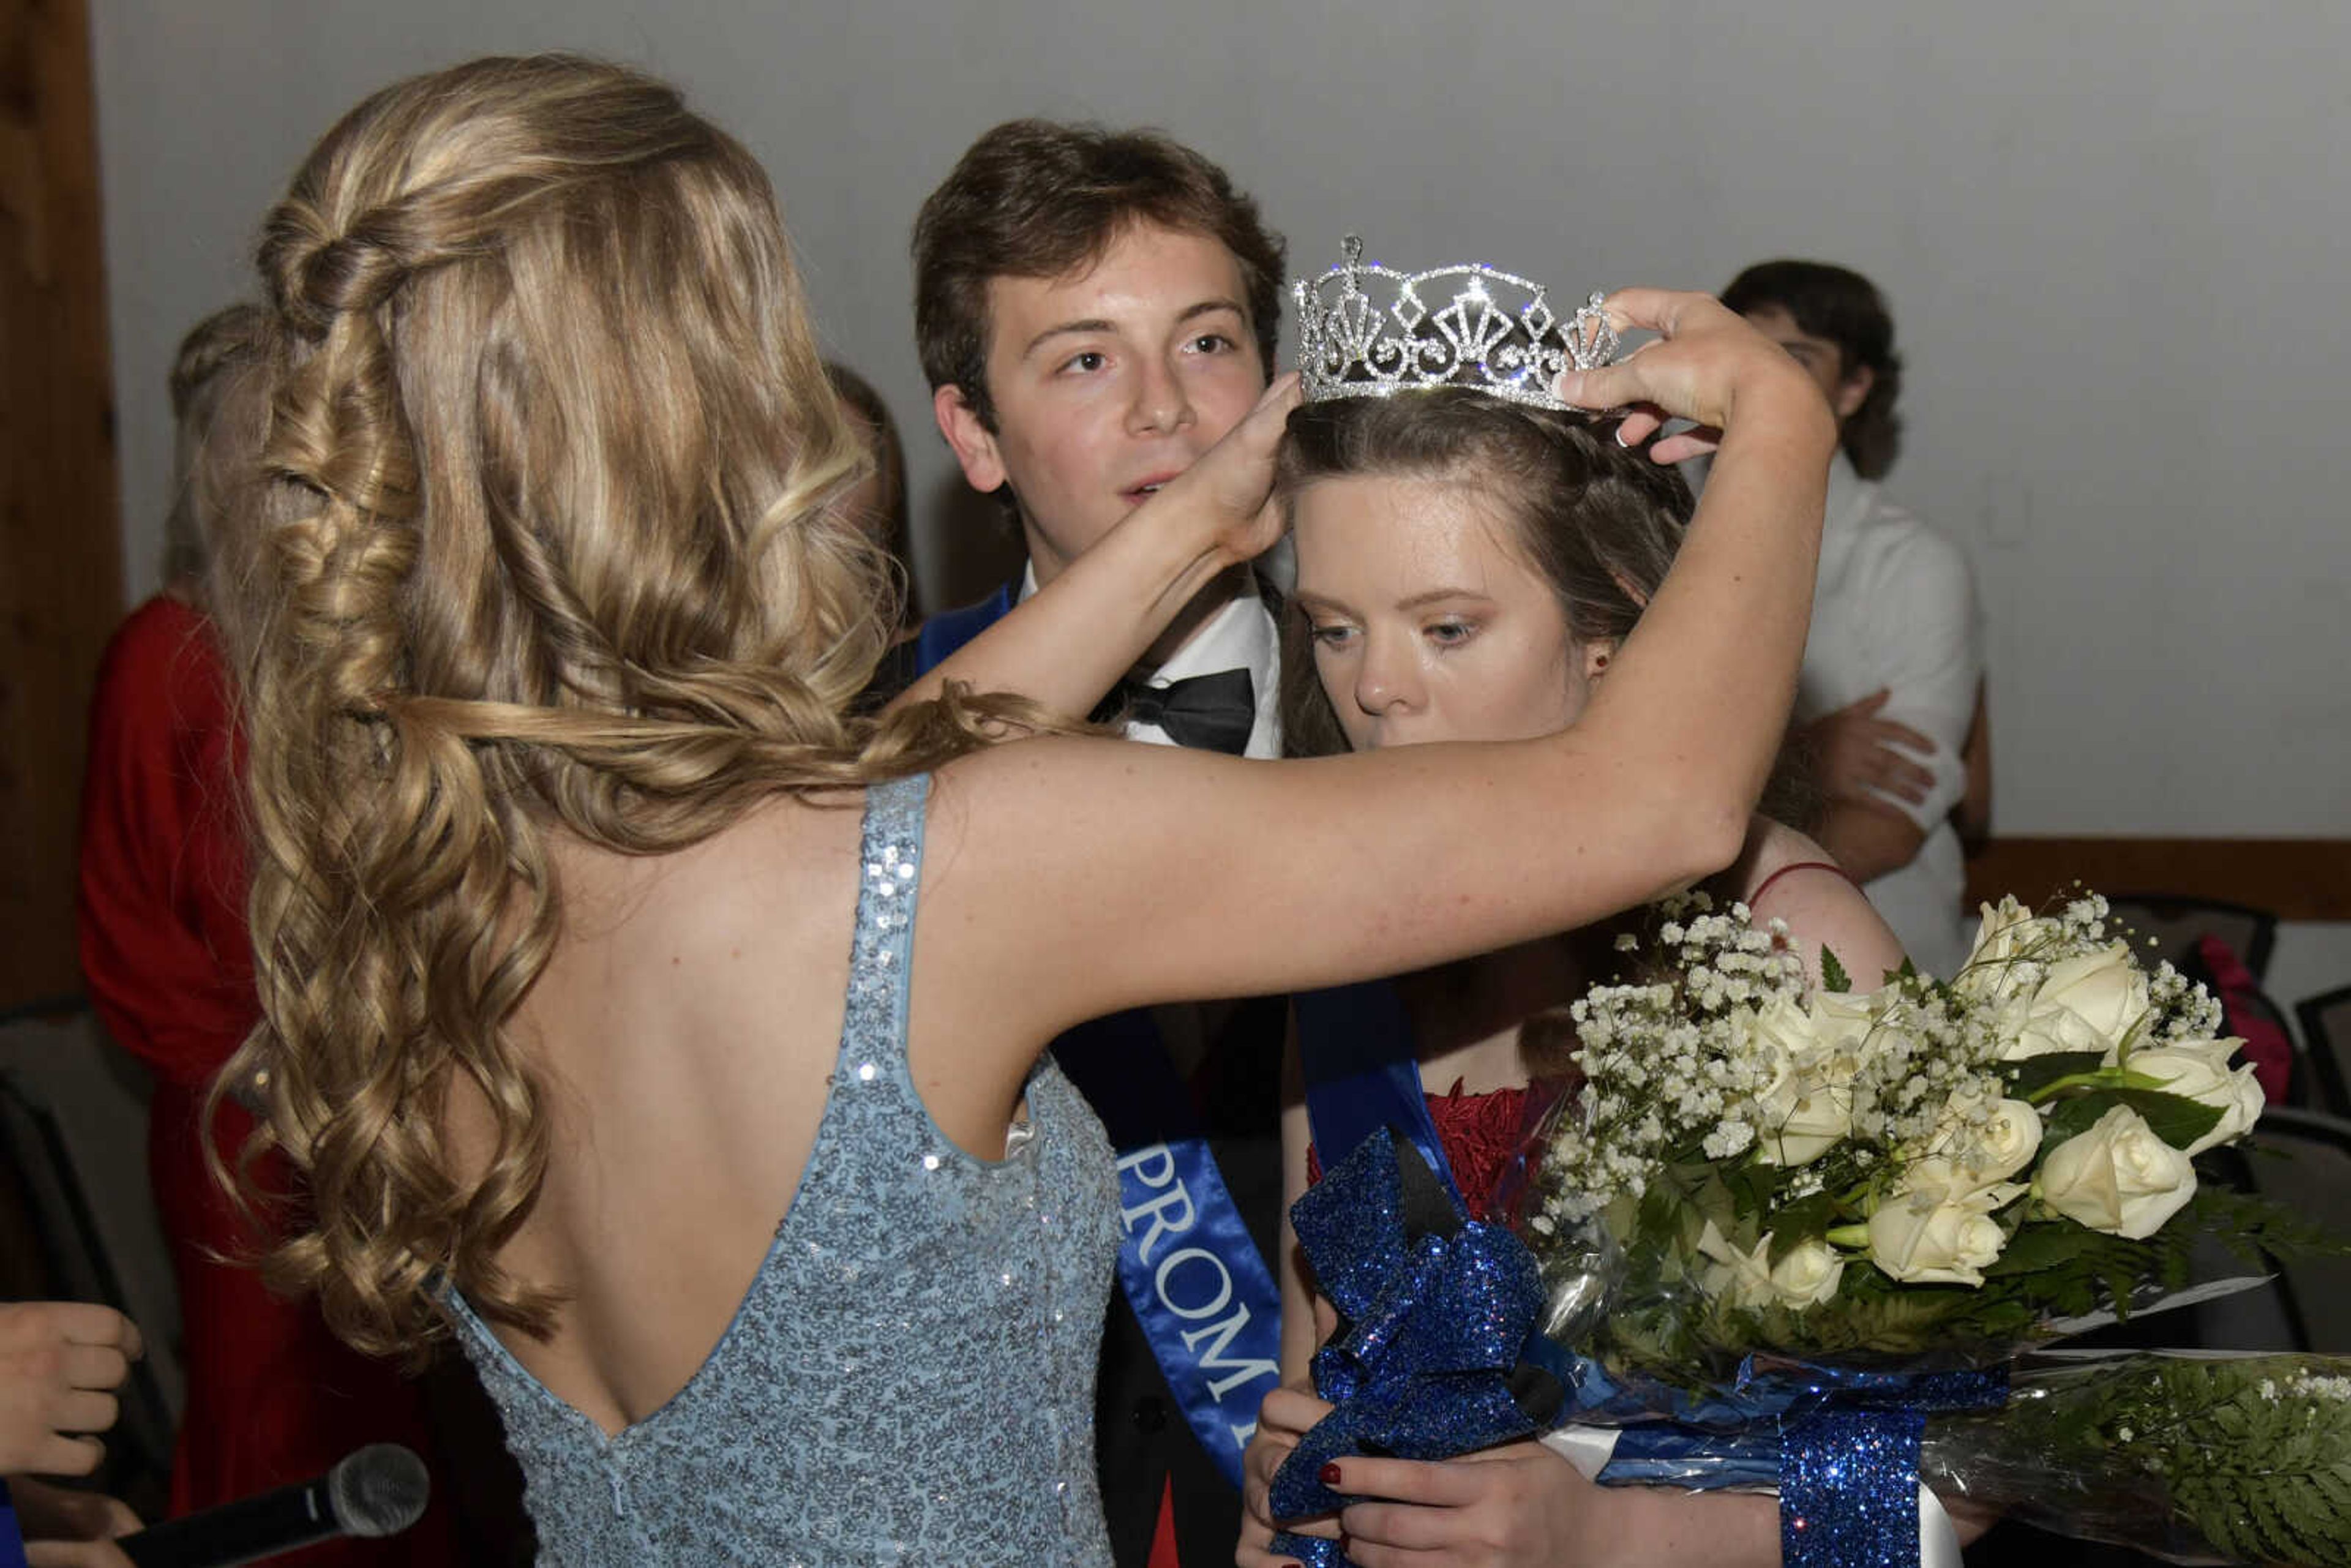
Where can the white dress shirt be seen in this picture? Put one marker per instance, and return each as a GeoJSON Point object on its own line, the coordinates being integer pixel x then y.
{"type": "Point", "coordinates": [1240, 636]}
{"type": "Point", "coordinates": [1894, 607]}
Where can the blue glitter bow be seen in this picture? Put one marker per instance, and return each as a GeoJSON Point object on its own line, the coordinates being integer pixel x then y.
{"type": "Point", "coordinates": [1436, 1312]}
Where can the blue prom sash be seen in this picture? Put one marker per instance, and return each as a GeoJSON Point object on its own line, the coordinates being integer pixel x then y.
{"type": "Point", "coordinates": [1362, 1068]}
{"type": "Point", "coordinates": [12, 1540]}
{"type": "Point", "coordinates": [1207, 1304]}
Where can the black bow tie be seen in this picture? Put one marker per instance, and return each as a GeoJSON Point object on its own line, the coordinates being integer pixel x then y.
{"type": "Point", "coordinates": [1211, 713]}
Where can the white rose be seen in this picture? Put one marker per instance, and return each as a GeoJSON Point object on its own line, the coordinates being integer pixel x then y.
{"type": "Point", "coordinates": [1780, 1026]}
{"type": "Point", "coordinates": [2005, 933]}
{"type": "Point", "coordinates": [2118, 1176]}
{"type": "Point", "coordinates": [2088, 1003]}
{"type": "Point", "coordinates": [1935, 1232]}
{"type": "Point", "coordinates": [2199, 1070]}
{"type": "Point", "coordinates": [1802, 1115]}
{"type": "Point", "coordinates": [1946, 1180]}
{"type": "Point", "coordinates": [1739, 1278]}
{"type": "Point", "coordinates": [1810, 1273]}
{"type": "Point", "coordinates": [1841, 1024]}
{"type": "Point", "coordinates": [1748, 1279]}
{"type": "Point", "coordinates": [1807, 1106]}
{"type": "Point", "coordinates": [2001, 1146]}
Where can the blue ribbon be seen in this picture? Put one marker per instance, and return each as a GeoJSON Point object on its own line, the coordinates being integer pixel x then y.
{"type": "Point", "coordinates": [1362, 1071]}
{"type": "Point", "coordinates": [1438, 1311]}
{"type": "Point", "coordinates": [1849, 1489]}
{"type": "Point", "coordinates": [1841, 1444]}
{"type": "Point", "coordinates": [1393, 1251]}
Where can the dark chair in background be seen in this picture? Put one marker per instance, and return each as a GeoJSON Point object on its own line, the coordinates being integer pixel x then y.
{"type": "Point", "coordinates": [2327, 1046]}
{"type": "Point", "coordinates": [2300, 1160]}
{"type": "Point", "coordinates": [2175, 924]}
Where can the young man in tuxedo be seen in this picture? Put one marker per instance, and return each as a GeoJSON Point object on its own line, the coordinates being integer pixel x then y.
{"type": "Point", "coordinates": [1095, 310]}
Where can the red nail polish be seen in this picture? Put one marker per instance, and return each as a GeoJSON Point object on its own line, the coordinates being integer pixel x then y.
{"type": "Point", "coordinates": [1330, 1476]}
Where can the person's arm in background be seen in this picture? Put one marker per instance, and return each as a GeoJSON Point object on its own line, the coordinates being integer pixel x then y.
{"type": "Point", "coordinates": [60, 1362]}
{"type": "Point", "coordinates": [1932, 673]}
{"type": "Point", "coordinates": [1972, 815]}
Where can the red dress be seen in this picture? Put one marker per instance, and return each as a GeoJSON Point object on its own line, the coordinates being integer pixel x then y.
{"type": "Point", "coordinates": [1481, 1135]}
{"type": "Point", "coordinates": [273, 1397]}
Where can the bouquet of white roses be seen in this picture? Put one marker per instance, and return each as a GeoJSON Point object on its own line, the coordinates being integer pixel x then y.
{"type": "Point", "coordinates": [1766, 1204]}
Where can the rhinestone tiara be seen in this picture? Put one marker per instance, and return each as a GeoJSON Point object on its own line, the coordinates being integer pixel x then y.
{"type": "Point", "coordinates": [1364, 330]}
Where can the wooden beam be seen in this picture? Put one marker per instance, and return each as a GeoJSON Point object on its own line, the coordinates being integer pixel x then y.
{"type": "Point", "coordinates": [2294, 879]}
{"type": "Point", "coordinates": [60, 528]}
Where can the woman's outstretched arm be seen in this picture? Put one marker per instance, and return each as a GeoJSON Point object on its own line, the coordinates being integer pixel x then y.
{"type": "Point", "coordinates": [1050, 857]}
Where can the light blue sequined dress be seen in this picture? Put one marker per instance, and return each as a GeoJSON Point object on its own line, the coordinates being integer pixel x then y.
{"type": "Point", "coordinates": [910, 1378]}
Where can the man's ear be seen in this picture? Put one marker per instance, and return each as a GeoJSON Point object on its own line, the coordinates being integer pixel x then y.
{"type": "Point", "coordinates": [1854, 391]}
{"type": "Point", "coordinates": [973, 442]}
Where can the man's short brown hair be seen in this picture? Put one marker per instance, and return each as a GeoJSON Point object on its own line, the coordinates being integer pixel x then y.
{"type": "Point", "coordinates": [1036, 198]}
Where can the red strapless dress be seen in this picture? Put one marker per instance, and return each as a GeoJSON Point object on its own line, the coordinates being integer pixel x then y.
{"type": "Point", "coordinates": [1481, 1133]}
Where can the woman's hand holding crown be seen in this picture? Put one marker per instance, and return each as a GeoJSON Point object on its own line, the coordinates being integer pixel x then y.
{"type": "Point", "coordinates": [1224, 499]}
{"type": "Point", "coordinates": [1706, 364]}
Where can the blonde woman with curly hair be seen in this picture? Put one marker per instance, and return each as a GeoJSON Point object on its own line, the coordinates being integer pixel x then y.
{"type": "Point", "coordinates": [585, 921]}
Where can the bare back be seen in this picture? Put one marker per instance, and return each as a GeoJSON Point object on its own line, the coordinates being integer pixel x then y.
{"type": "Point", "coordinates": [810, 1377]}
{"type": "Point", "coordinates": [683, 1030]}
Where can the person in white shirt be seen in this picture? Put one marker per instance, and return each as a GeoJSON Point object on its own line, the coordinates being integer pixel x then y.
{"type": "Point", "coordinates": [1892, 692]}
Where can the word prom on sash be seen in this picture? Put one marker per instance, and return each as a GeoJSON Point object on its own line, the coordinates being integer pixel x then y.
{"type": "Point", "coordinates": [1196, 1281]}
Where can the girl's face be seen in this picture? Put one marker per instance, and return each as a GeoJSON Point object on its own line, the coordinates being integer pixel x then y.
{"type": "Point", "coordinates": [1427, 622]}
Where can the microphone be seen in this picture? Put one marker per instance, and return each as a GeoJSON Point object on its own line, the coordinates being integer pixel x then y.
{"type": "Point", "coordinates": [379, 1490]}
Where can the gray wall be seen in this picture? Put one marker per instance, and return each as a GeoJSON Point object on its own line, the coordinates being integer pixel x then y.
{"type": "Point", "coordinates": [2112, 234]}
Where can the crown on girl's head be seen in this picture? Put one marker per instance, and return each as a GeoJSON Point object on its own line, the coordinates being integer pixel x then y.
{"type": "Point", "coordinates": [1497, 336]}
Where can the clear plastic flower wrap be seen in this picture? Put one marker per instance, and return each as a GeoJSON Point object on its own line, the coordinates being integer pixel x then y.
{"type": "Point", "coordinates": [2188, 1456]}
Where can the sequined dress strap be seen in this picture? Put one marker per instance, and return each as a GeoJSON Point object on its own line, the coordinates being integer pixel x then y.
{"type": "Point", "coordinates": [890, 865]}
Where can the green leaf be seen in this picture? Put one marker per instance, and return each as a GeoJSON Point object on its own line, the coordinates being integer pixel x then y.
{"type": "Point", "coordinates": [1833, 974]}
{"type": "Point", "coordinates": [2070, 1117]}
{"type": "Point", "coordinates": [1806, 1219]}
{"type": "Point", "coordinates": [2035, 1071]}
{"type": "Point", "coordinates": [2176, 1119]}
